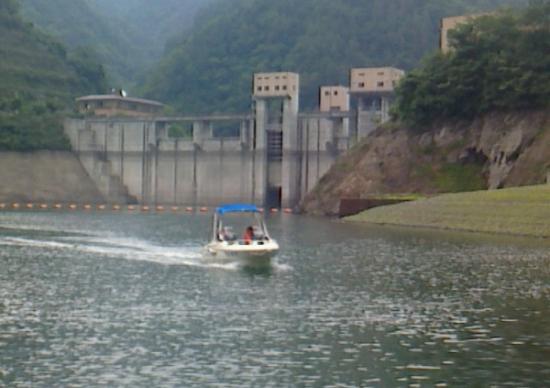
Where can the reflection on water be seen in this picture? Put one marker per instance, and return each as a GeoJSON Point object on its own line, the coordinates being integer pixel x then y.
{"type": "Point", "coordinates": [102, 299]}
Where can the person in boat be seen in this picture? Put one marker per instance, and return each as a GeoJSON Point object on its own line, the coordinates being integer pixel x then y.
{"type": "Point", "coordinates": [226, 234]}
{"type": "Point", "coordinates": [258, 234]}
{"type": "Point", "coordinates": [248, 235]}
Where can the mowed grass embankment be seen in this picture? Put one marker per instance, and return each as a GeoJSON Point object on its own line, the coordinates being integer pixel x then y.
{"type": "Point", "coordinates": [521, 211]}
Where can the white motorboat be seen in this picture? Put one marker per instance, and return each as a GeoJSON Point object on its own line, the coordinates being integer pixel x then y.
{"type": "Point", "coordinates": [254, 248]}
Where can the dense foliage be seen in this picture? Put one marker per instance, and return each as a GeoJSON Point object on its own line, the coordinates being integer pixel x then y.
{"type": "Point", "coordinates": [38, 80]}
{"type": "Point", "coordinates": [211, 69]}
{"type": "Point", "coordinates": [497, 62]}
{"type": "Point", "coordinates": [128, 36]}
{"type": "Point", "coordinates": [75, 24]}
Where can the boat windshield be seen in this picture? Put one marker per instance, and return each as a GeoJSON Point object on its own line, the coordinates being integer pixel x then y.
{"type": "Point", "coordinates": [235, 226]}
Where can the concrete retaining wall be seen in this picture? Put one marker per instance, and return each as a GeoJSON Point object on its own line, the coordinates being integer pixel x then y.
{"type": "Point", "coordinates": [45, 176]}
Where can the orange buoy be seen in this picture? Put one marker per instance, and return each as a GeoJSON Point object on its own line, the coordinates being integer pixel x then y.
{"type": "Point", "coordinates": [57, 206]}
{"type": "Point", "coordinates": [44, 206]}
{"type": "Point", "coordinates": [101, 207]}
{"type": "Point", "coordinates": [87, 207]}
{"type": "Point", "coordinates": [16, 206]}
{"type": "Point", "coordinates": [72, 206]}
{"type": "Point", "coordinates": [203, 209]}
{"type": "Point", "coordinates": [30, 205]}
{"type": "Point", "coordinates": [189, 209]}
{"type": "Point", "coordinates": [2, 205]}
{"type": "Point", "coordinates": [288, 211]}
{"type": "Point", "coordinates": [261, 209]}
{"type": "Point", "coordinates": [145, 208]}
{"type": "Point", "coordinates": [175, 208]}
{"type": "Point", "coordinates": [116, 207]}
{"type": "Point", "coordinates": [131, 207]}
{"type": "Point", "coordinates": [160, 208]}
{"type": "Point", "coordinates": [274, 210]}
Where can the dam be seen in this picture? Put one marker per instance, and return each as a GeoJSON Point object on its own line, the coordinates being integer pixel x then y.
{"type": "Point", "coordinates": [271, 156]}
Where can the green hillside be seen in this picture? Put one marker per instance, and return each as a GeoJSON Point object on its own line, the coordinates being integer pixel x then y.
{"type": "Point", "coordinates": [497, 62]}
{"type": "Point", "coordinates": [152, 23]}
{"type": "Point", "coordinates": [128, 36]}
{"type": "Point", "coordinates": [77, 25]}
{"type": "Point", "coordinates": [38, 80]}
{"type": "Point", "coordinates": [210, 69]}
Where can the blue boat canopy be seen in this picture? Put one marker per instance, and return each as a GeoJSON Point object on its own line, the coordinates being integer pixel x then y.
{"type": "Point", "coordinates": [237, 208]}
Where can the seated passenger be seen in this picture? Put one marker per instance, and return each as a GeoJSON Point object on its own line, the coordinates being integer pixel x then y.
{"type": "Point", "coordinates": [258, 234]}
{"type": "Point", "coordinates": [227, 234]}
{"type": "Point", "coordinates": [248, 235]}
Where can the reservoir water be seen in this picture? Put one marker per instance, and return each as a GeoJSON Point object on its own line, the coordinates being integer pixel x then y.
{"type": "Point", "coordinates": [127, 300]}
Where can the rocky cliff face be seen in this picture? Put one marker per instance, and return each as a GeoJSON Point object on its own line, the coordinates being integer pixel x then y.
{"type": "Point", "coordinates": [494, 151]}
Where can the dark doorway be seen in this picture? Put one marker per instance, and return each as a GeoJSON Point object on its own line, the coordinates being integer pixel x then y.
{"type": "Point", "coordinates": [274, 197]}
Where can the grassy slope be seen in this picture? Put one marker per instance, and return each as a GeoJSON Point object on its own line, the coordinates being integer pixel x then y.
{"type": "Point", "coordinates": [518, 211]}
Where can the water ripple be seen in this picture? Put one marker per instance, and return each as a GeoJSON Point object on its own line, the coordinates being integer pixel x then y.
{"type": "Point", "coordinates": [339, 308]}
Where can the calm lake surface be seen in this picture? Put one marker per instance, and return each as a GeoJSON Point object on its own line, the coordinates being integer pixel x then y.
{"type": "Point", "coordinates": [127, 300]}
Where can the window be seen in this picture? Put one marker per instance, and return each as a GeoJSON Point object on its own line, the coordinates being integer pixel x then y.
{"type": "Point", "coordinates": [327, 93]}
{"type": "Point", "coordinates": [277, 87]}
{"type": "Point", "coordinates": [380, 73]}
{"type": "Point", "coordinates": [267, 88]}
{"type": "Point", "coordinates": [259, 88]}
{"type": "Point", "coordinates": [284, 87]}
{"type": "Point", "coordinates": [361, 74]}
{"type": "Point", "coordinates": [380, 84]}
{"type": "Point", "coordinates": [361, 84]}
{"type": "Point", "coordinates": [336, 92]}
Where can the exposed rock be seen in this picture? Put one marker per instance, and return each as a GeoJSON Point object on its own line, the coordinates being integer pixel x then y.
{"type": "Point", "coordinates": [506, 149]}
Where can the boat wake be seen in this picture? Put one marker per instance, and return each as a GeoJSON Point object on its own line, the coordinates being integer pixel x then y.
{"type": "Point", "coordinates": [127, 249]}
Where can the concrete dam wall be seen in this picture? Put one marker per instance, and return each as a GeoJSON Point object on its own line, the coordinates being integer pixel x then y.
{"type": "Point", "coordinates": [45, 176]}
{"type": "Point", "coordinates": [267, 161]}
{"type": "Point", "coordinates": [271, 156]}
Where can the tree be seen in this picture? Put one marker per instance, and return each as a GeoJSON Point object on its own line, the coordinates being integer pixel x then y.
{"type": "Point", "coordinates": [497, 62]}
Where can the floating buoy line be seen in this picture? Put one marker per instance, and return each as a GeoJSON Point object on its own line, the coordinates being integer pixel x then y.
{"type": "Point", "coordinates": [88, 207]}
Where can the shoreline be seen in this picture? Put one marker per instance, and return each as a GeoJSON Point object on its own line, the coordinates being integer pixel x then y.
{"type": "Point", "coordinates": [520, 211]}
{"type": "Point", "coordinates": [444, 229]}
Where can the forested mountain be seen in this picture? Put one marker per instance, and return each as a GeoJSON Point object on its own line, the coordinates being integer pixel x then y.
{"type": "Point", "coordinates": [38, 78]}
{"type": "Point", "coordinates": [128, 36]}
{"type": "Point", "coordinates": [152, 23]}
{"type": "Point", "coordinates": [79, 26]}
{"type": "Point", "coordinates": [210, 69]}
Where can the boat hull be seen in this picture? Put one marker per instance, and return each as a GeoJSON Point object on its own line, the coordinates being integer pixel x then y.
{"type": "Point", "coordinates": [249, 255]}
